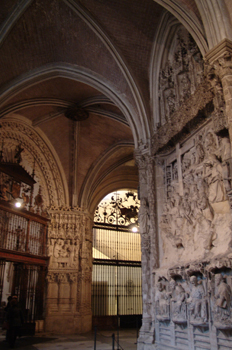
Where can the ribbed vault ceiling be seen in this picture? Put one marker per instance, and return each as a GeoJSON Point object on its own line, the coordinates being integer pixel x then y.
{"type": "Point", "coordinates": [91, 54]}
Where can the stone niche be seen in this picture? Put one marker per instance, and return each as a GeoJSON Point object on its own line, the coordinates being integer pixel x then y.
{"type": "Point", "coordinates": [192, 295]}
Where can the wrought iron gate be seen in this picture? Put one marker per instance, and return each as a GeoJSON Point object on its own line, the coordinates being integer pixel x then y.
{"type": "Point", "coordinates": [116, 278]}
{"type": "Point", "coordinates": [27, 282]}
{"type": "Point", "coordinates": [23, 262]}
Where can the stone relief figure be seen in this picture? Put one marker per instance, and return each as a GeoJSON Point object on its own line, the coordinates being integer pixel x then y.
{"type": "Point", "coordinates": [175, 172]}
{"type": "Point", "coordinates": [225, 155]}
{"type": "Point", "coordinates": [203, 228]}
{"type": "Point", "coordinates": [186, 162]}
{"type": "Point", "coordinates": [57, 248]}
{"type": "Point", "coordinates": [178, 305]}
{"type": "Point", "coordinates": [180, 75]}
{"type": "Point", "coordinates": [200, 153]}
{"type": "Point", "coordinates": [192, 209]}
{"type": "Point", "coordinates": [197, 303]}
{"type": "Point", "coordinates": [162, 303]}
{"type": "Point", "coordinates": [185, 87]}
{"type": "Point", "coordinates": [144, 219]}
{"type": "Point", "coordinates": [170, 104]}
{"type": "Point", "coordinates": [214, 179]}
{"type": "Point", "coordinates": [222, 303]}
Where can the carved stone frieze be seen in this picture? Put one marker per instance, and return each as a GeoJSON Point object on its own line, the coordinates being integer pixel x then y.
{"type": "Point", "coordinates": [180, 76]}
{"type": "Point", "coordinates": [69, 238]}
{"type": "Point", "coordinates": [198, 196]}
{"type": "Point", "coordinates": [192, 108]}
{"type": "Point", "coordinates": [198, 297]}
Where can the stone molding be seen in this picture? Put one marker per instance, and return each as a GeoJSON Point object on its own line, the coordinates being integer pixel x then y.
{"type": "Point", "coordinates": [218, 51]}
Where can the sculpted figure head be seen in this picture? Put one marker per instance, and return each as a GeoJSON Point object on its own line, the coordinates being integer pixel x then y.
{"type": "Point", "coordinates": [218, 279]}
{"type": "Point", "coordinates": [193, 280]}
{"type": "Point", "coordinates": [172, 284]}
{"type": "Point", "coordinates": [160, 286]}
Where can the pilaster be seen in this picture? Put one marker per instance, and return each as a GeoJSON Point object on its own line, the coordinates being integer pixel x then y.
{"type": "Point", "coordinates": [69, 271]}
{"type": "Point", "coordinates": [149, 240]}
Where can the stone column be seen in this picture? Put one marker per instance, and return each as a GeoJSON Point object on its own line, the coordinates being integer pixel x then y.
{"type": "Point", "coordinates": [149, 240]}
{"type": "Point", "coordinates": [68, 304]}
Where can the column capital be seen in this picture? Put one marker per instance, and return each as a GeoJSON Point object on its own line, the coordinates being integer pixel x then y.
{"type": "Point", "coordinates": [218, 61]}
{"type": "Point", "coordinates": [143, 159]}
{"type": "Point", "coordinates": [220, 51]}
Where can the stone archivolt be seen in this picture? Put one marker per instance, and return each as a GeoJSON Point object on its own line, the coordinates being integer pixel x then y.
{"type": "Point", "coordinates": [35, 152]}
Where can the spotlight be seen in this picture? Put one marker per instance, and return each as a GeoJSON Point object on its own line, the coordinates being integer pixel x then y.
{"type": "Point", "coordinates": [18, 202]}
{"type": "Point", "coordinates": [133, 227]}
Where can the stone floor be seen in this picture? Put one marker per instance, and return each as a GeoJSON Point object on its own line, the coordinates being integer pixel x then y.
{"type": "Point", "coordinates": [127, 341]}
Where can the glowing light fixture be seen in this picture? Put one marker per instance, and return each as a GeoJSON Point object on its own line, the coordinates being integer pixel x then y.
{"type": "Point", "coordinates": [18, 202]}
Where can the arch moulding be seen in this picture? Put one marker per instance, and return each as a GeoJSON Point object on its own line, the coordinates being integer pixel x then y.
{"type": "Point", "coordinates": [38, 153]}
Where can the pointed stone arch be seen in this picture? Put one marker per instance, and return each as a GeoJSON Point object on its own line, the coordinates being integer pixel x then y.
{"type": "Point", "coordinates": [39, 154]}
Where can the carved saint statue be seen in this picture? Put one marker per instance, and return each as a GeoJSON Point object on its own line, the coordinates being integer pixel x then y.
{"type": "Point", "coordinates": [162, 303]}
{"type": "Point", "coordinates": [144, 216]}
{"type": "Point", "coordinates": [178, 306]}
{"type": "Point", "coordinates": [222, 303]}
{"type": "Point", "coordinates": [197, 304]}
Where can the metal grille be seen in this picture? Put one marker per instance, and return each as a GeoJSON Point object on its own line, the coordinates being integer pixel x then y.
{"type": "Point", "coordinates": [116, 244]}
{"type": "Point", "coordinates": [28, 285]}
{"type": "Point", "coordinates": [116, 278]}
{"type": "Point", "coordinates": [116, 290]}
{"type": "Point", "coordinates": [21, 234]}
{"type": "Point", "coordinates": [2, 272]}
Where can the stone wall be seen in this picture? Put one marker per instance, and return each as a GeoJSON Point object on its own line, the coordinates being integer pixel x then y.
{"type": "Point", "coordinates": [185, 214]}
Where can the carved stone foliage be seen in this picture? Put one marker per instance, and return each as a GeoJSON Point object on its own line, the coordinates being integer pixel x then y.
{"type": "Point", "coordinates": [56, 277]}
{"type": "Point", "coordinates": [197, 183]}
{"type": "Point", "coordinates": [181, 74]}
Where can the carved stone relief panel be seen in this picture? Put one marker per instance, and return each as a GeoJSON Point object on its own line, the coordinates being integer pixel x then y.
{"type": "Point", "coordinates": [196, 219]}
{"type": "Point", "coordinates": [70, 268]}
{"type": "Point", "coordinates": [69, 239]}
{"type": "Point", "coordinates": [180, 75]}
{"type": "Point", "coordinates": [194, 299]}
